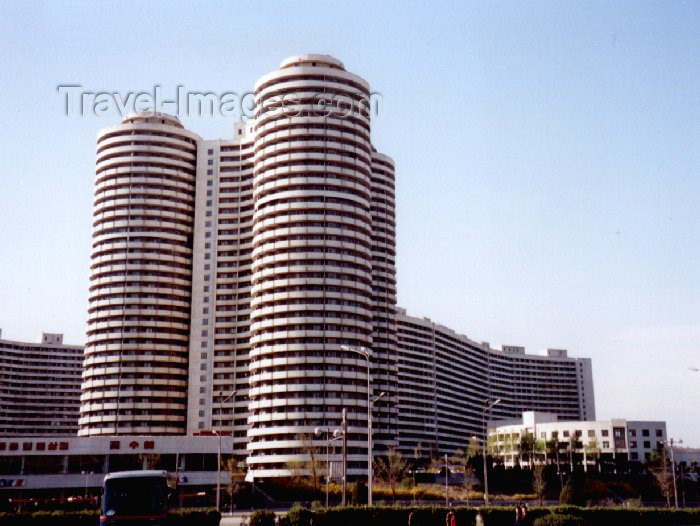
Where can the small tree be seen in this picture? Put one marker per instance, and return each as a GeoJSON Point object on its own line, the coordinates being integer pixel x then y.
{"type": "Point", "coordinates": [463, 461]}
{"type": "Point", "coordinates": [593, 451]}
{"type": "Point", "coordinates": [391, 469]}
{"type": "Point", "coordinates": [527, 448]}
{"type": "Point", "coordinates": [539, 484]}
{"type": "Point", "coordinates": [308, 469]}
{"type": "Point", "coordinates": [236, 469]}
{"type": "Point", "coordinates": [661, 468]}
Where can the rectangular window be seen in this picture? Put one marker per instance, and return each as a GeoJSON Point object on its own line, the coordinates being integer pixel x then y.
{"type": "Point", "coordinates": [210, 162]}
{"type": "Point", "coordinates": [604, 432]}
{"type": "Point", "coordinates": [591, 433]}
{"type": "Point", "coordinates": [645, 432]}
{"type": "Point", "coordinates": [606, 444]}
{"type": "Point", "coordinates": [659, 433]}
{"type": "Point", "coordinates": [633, 432]}
{"type": "Point", "coordinates": [210, 172]}
{"type": "Point", "coordinates": [210, 151]}
{"type": "Point", "coordinates": [647, 444]}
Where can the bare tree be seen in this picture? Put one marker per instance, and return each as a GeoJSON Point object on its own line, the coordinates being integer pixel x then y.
{"type": "Point", "coordinates": [539, 484]}
{"type": "Point", "coordinates": [662, 474]}
{"type": "Point", "coordinates": [391, 469]}
{"type": "Point", "coordinates": [310, 467]}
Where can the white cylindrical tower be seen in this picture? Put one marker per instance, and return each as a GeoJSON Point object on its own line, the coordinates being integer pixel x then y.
{"type": "Point", "coordinates": [311, 288]}
{"type": "Point", "coordinates": [135, 367]}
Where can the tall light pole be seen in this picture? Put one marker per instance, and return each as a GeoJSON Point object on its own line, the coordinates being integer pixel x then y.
{"type": "Point", "coordinates": [670, 443]}
{"type": "Point", "coordinates": [487, 407]}
{"type": "Point", "coordinates": [365, 354]}
{"type": "Point", "coordinates": [218, 455]}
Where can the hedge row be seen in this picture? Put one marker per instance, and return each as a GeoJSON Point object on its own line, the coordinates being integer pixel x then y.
{"type": "Point", "coordinates": [492, 516]}
{"type": "Point", "coordinates": [185, 517]}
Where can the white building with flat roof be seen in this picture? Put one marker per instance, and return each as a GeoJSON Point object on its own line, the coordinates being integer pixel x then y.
{"type": "Point", "coordinates": [574, 441]}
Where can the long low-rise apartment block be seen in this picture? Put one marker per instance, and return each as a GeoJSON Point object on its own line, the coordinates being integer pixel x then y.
{"type": "Point", "coordinates": [447, 381]}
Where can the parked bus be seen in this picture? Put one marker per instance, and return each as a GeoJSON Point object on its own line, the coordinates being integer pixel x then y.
{"type": "Point", "coordinates": [136, 497]}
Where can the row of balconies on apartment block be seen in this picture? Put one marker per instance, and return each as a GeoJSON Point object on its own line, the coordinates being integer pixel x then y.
{"type": "Point", "coordinates": [311, 249]}
{"type": "Point", "coordinates": [307, 109]}
{"type": "Point", "coordinates": [132, 235]}
{"type": "Point", "coordinates": [154, 329]}
{"type": "Point", "coordinates": [322, 79]}
{"type": "Point", "coordinates": [337, 287]}
{"type": "Point", "coordinates": [151, 225]}
{"type": "Point", "coordinates": [319, 136]}
{"type": "Point", "coordinates": [323, 125]}
{"type": "Point", "coordinates": [153, 156]}
{"type": "Point", "coordinates": [158, 193]}
{"type": "Point", "coordinates": [140, 311]}
{"type": "Point", "coordinates": [291, 100]}
{"type": "Point", "coordinates": [137, 202]}
{"type": "Point", "coordinates": [136, 163]}
{"type": "Point", "coordinates": [285, 263]}
{"type": "Point", "coordinates": [121, 346]}
{"type": "Point", "coordinates": [358, 148]}
{"type": "Point", "coordinates": [272, 260]}
{"type": "Point", "coordinates": [94, 360]}
{"type": "Point", "coordinates": [310, 208]}
{"type": "Point", "coordinates": [151, 148]}
{"type": "Point", "coordinates": [277, 337]}
{"type": "Point", "coordinates": [351, 216]}
{"type": "Point", "coordinates": [144, 170]}
{"type": "Point", "coordinates": [128, 137]}
{"type": "Point", "coordinates": [126, 182]}
{"type": "Point", "coordinates": [267, 240]}
{"type": "Point", "coordinates": [156, 261]}
{"type": "Point", "coordinates": [308, 166]}
{"type": "Point", "coordinates": [46, 357]}
{"type": "Point", "coordinates": [274, 143]}
{"type": "Point", "coordinates": [147, 241]}
{"type": "Point", "coordinates": [127, 392]}
{"type": "Point", "coordinates": [145, 289]}
{"type": "Point", "coordinates": [104, 387]}
{"type": "Point", "coordinates": [304, 186]}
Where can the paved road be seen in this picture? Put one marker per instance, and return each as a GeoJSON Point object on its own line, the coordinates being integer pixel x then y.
{"type": "Point", "coordinates": [239, 518]}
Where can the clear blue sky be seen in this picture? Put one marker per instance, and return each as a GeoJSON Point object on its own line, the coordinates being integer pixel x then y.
{"type": "Point", "coordinates": [547, 162]}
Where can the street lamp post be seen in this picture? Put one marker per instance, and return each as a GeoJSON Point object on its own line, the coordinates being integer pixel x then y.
{"type": "Point", "coordinates": [487, 407]}
{"type": "Point", "coordinates": [218, 455]}
{"type": "Point", "coordinates": [365, 353]}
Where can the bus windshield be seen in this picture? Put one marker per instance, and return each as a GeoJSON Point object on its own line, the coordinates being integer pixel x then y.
{"type": "Point", "coordinates": [135, 496]}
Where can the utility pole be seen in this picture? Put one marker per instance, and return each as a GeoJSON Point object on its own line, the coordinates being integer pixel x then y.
{"type": "Point", "coordinates": [345, 456]}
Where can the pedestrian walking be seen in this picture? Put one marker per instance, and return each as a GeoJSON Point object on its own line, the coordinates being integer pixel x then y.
{"type": "Point", "coordinates": [518, 515]}
{"type": "Point", "coordinates": [412, 518]}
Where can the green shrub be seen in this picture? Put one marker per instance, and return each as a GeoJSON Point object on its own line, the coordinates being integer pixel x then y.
{"type": "Point", "coordinates": [262, 518]}
{"type": "Point", "coordinates": [559, 519]}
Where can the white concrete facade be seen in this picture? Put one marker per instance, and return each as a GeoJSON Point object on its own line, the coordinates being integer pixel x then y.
{"type": "Point", "coordinates": [136, 355]}
{"type": "Point", "coordinates": [634, 440]}
{"type": "Point", "coordinates": [280, 247]}
{"type": "Point", "coordinates": [40, 387]}
{"type": "Point", "coordinates": [447, 378]}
